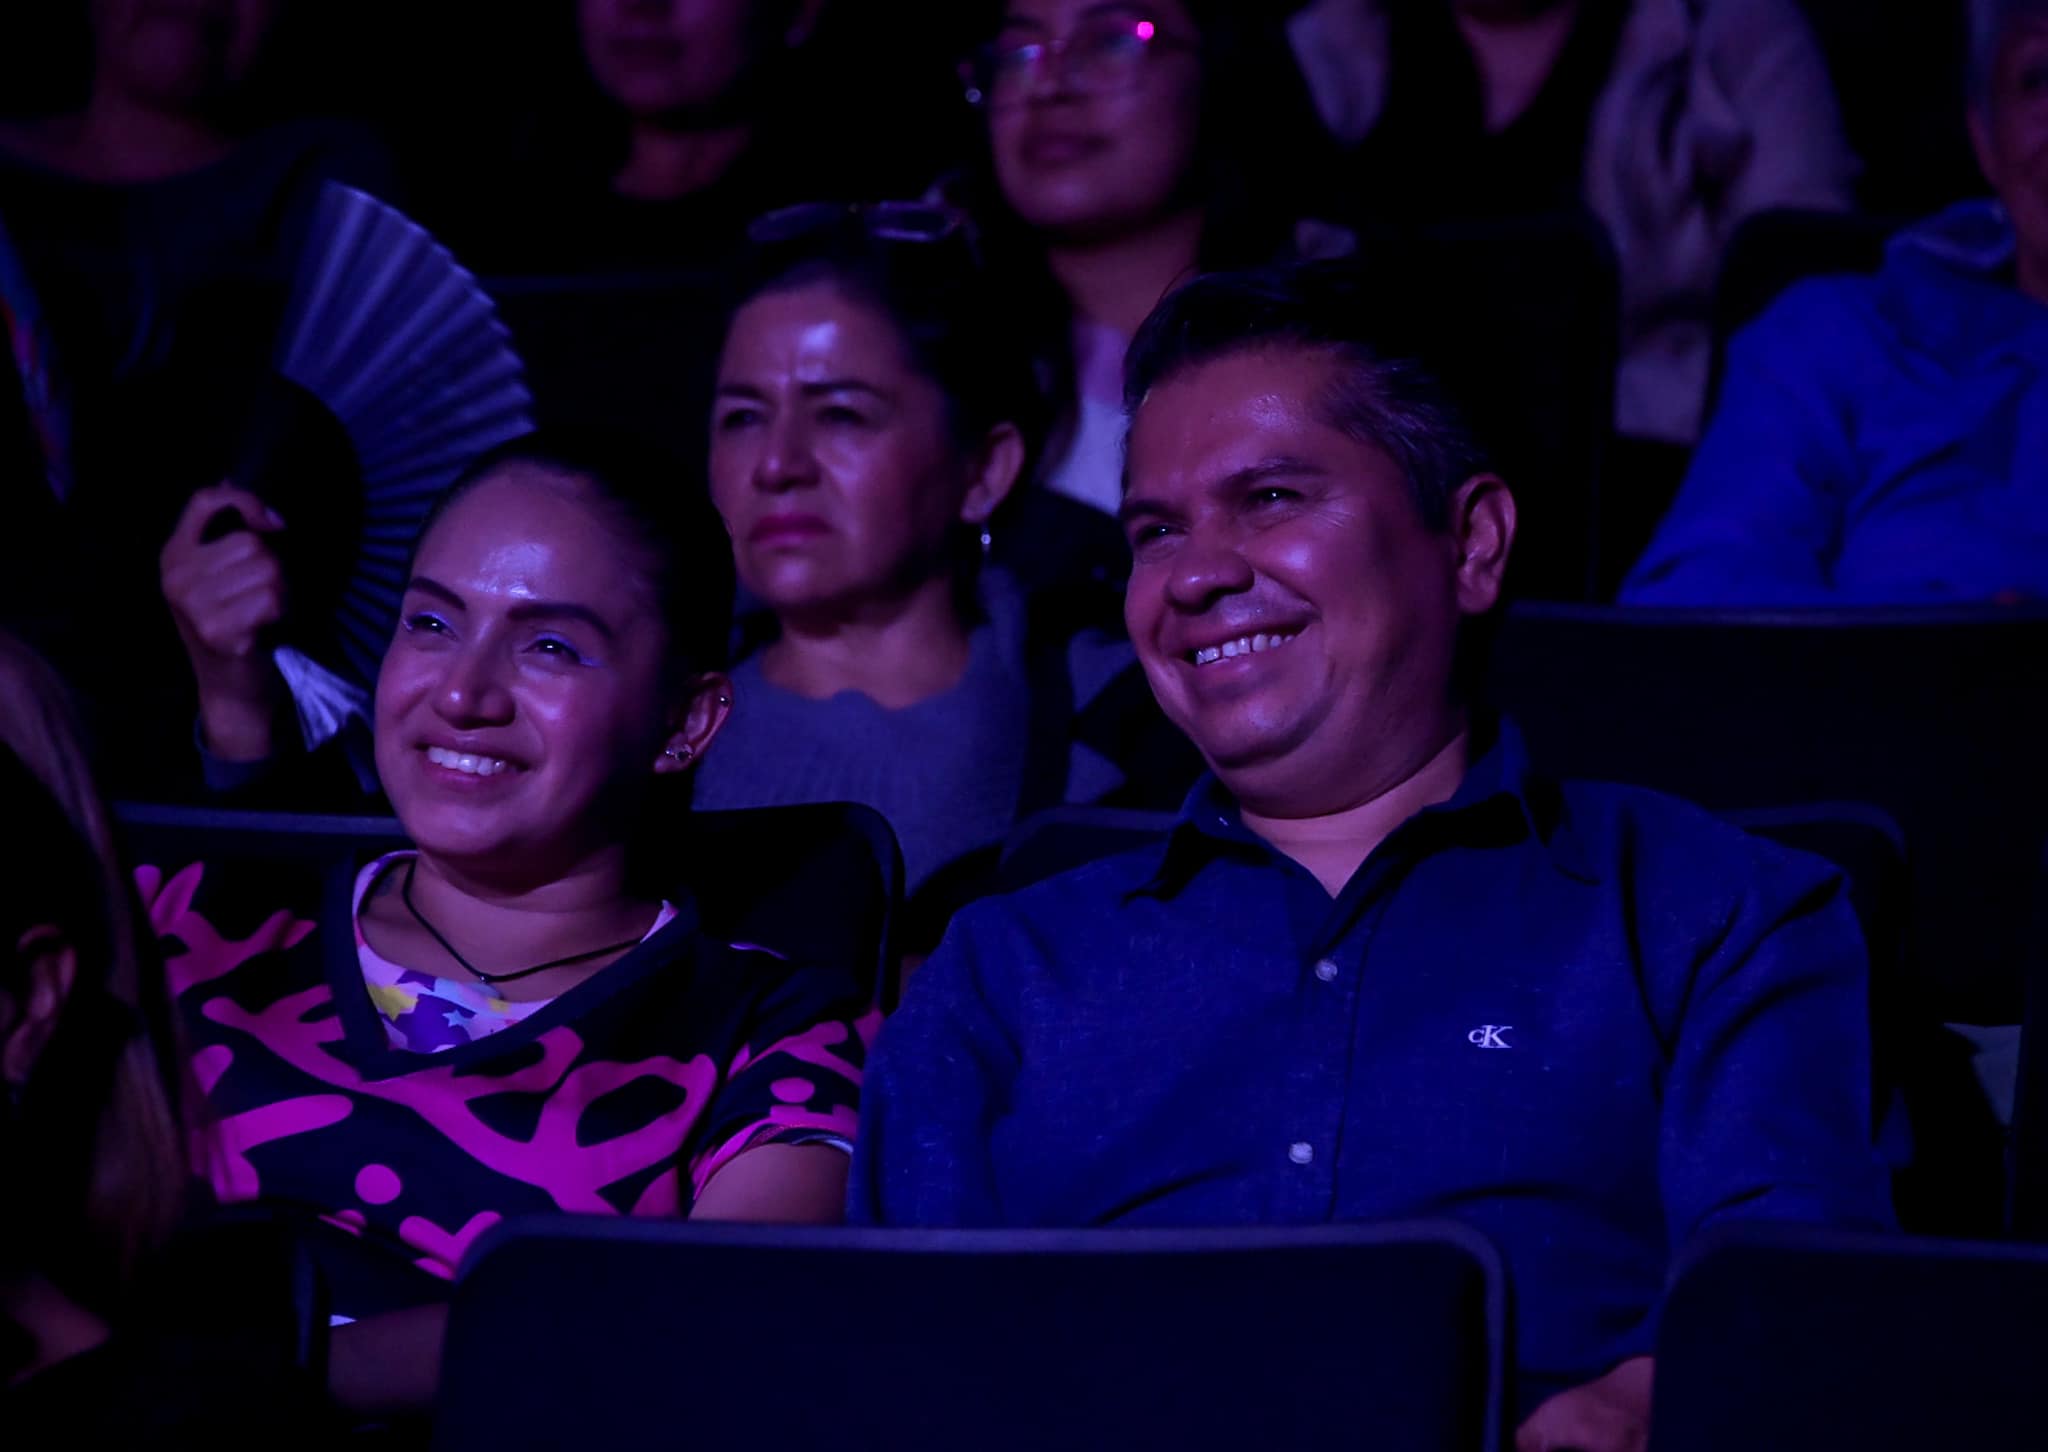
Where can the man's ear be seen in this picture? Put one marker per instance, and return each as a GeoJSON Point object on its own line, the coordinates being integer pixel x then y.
{"type": "Point", "coordinates": [997, 467]}
{"type": "Point", "coordinates": [48, 965]}
{"type": "Point", "coordinates": [1483, 534]}
{"type": "Point", "coordinates": [693, 724]}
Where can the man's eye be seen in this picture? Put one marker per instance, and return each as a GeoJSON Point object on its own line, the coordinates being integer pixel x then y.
{"type": "Point", "coordinates": [1273, 494]}
{"type": "Point", "coordinates": [733, 420]}
{"type": "Point", "coordinates": [558, 648]}
{"type": "Point", "coordinates": [839, 413]}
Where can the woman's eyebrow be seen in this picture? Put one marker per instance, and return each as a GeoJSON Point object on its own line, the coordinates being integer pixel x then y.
{"type": "Point", "coordinates": [561, 610]}
{"type": "Point", "coordinates": [420, 584]}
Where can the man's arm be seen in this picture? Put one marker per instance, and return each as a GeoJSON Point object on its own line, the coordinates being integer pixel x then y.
{"type": "Point", "coordinates": [1759, 521]}
{"type": "Point", "coordinates": [936, 1087]}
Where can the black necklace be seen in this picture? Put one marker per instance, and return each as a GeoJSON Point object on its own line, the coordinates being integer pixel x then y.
{"type": "Point", "coordinates": [405, 894]}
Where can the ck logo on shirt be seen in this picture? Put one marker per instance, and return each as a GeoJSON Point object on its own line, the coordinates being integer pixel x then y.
{"type": "Point", "coordinates": [1488, 1036]}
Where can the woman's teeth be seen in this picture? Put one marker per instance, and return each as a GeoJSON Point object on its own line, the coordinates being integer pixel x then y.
{"type": "Point", "coordinates": [1243, 645]}
{"type": "Point", "coordinates": [469, 765]}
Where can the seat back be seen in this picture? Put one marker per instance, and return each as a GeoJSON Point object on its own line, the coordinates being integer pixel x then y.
{"type": "Point", "coordinates": [1776, 1339]}
{"type": "Point", "coordinates": [1330, 1336]}
{"type": "Point", "coordinates": [818, 884]}
{"type": "Point", "coordinates": [1772, 250]}
{"type": "Point", "coordinates": [2029, 1208]}
{"type": "Point", "coordinates": [1520, 317]}
{"type": "Point", "coordinates": [1936, 717]}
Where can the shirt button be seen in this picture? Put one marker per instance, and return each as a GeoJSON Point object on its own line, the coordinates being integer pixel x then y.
{"type": "Point", "coordinates": [1301, 1152]}
{"type": "Point", "coordinates": [1326, 970]}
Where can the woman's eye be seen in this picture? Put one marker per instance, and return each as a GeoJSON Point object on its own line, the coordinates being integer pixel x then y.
{"type": "Point", "coordinates": [559, 649]}
{"type": "Point", "coordinates": [839, 413]}
{"type": "Point", "coordinates": [735, 419]}
{"type": "Point", "coordinates": [423, 623]}
{"type": "Point", "coordinates": [1273, 494]}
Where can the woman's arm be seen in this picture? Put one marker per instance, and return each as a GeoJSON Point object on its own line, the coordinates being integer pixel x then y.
{"type": "Point", "coordinates": [778, 1184]}
{"type": "Point", "coordinates": [390, 1365]}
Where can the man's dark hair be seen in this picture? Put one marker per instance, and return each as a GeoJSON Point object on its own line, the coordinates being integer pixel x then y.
{"type": "Point", "coordinates": [1380, 394]}
{"type": "Point", "coordinates": [656, 506]}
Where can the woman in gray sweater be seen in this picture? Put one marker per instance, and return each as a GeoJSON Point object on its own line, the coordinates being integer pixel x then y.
{"type": "Point", "coordinates": [869, 424]}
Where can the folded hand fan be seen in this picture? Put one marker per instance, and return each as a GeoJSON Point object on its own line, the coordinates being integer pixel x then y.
{"type": "Point", "coordinates": [28, 337]}
{"type": "Point", "coordinates": [388, 338]}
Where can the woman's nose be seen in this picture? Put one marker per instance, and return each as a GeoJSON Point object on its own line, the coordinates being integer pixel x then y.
{"type": "Point", "coordinates": [787, 460]}
{"type": "Point", "coordinates": [473, 690]}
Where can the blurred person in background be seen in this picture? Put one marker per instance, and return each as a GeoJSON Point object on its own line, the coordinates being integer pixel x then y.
{"type": "Point", "coordinates": [111, 1331]}
{"type": "Point", "coordinates": [157, 226]}
{"type": "Point", "coordinates": [871, 420]}
{"type": "Point", "coordinates": [1670, 121]}
{"type": "Point", "coordinates": [1880, 440]}
{"type": "Point", "coordinates": [1131, 145]}
{"type": "Point", "coordinates": [684, 119]}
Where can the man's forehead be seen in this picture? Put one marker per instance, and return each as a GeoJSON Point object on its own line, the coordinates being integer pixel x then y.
{"type": "Point", "coordinates": [1225, 415]}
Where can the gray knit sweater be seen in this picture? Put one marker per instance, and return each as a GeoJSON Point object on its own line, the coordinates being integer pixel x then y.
{"type": "Point", "coordinates": [947, 772]}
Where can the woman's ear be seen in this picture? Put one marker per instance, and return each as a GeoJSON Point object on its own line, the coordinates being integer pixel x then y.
{"type": "Point", "coordinates": [997, 467]}
{"type": "Point", "coordinates": [704, 709]}
{"type": "Point", "coordinates": [48, 965]}
{"type": "Point", "coordinates": [1483, 536]}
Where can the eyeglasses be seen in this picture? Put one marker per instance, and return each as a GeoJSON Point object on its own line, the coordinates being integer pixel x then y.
{"type": "Point", "coordinates": [888, 221]}
{"type": "Point", "coordinates": [1101, 56]}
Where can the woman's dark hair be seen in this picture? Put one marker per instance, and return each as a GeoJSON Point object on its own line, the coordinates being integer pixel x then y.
{"type": "Point", "coordinates": [955, 328]}
{"type": "Point", "coordinates": [94, 1141]}
{"type": "Point", "coordinates": [681, 542]}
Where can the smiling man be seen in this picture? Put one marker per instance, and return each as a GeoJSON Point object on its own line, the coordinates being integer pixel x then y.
{"type": "Point", "coordinates": [1379, 968]}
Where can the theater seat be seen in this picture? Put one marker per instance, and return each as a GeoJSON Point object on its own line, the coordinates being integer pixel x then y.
{"type": "Point", "coordinates": [1780, 1340]}
{"type": "Point", "coordinates": [1934, 716]}
{"type": "Point", "coordinates": [637, 1334]}
{"type": "Point", "coordinates": [818, 883]}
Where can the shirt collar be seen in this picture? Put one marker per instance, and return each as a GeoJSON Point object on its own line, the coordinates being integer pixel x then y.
{"type": "Point", "coordinates": [1953, 295]}
{"type": "Point", "coordinates": [1501, 799]}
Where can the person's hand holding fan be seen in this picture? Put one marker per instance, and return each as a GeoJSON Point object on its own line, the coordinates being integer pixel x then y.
{"type": "Point", "coordinates": [226, 590]}
{"type": "Point", "coordinates": [392, 373]}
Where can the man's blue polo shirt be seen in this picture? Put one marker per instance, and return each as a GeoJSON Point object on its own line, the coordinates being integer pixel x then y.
{"type": "Point", "coordinates": [1586, 1019]}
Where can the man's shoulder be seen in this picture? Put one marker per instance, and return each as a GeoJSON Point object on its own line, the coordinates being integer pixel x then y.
{"type": "Point", "coordinates": [1078, 902]}
{"type": "Point", "coordinates": [1633, 834]}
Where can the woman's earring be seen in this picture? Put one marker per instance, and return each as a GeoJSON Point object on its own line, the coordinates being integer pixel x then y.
{"type": "Point", "coordinates": [986, 541]}
{"type": "Point", "coordinates": [682, 757]}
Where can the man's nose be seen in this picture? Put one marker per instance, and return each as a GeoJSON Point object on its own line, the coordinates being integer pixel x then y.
{"type": "Point", "coordinates": [1206, 569]}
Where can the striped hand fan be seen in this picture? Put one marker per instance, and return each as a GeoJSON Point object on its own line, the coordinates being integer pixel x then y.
{"type": "Point", "coordinates": [387, 336]}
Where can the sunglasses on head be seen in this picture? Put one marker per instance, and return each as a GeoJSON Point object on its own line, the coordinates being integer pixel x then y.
{"type": "Point", "coordinates": [887, 221]}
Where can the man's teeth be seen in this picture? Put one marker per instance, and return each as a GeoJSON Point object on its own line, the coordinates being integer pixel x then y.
{"type": "Point", "coordinates": [1243, 645]}
{"type": "Point", "coordinates": [473, 765]}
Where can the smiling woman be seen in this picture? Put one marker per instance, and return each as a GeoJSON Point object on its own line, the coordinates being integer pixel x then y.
{"type": "Point", "coordinates": [555, 659]}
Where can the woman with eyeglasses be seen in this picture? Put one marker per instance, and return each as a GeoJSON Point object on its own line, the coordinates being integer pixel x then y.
{"type": "Point", "coordinates": [1131, 145]}
{"type": "Point", "coordinates": [871, 418]}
